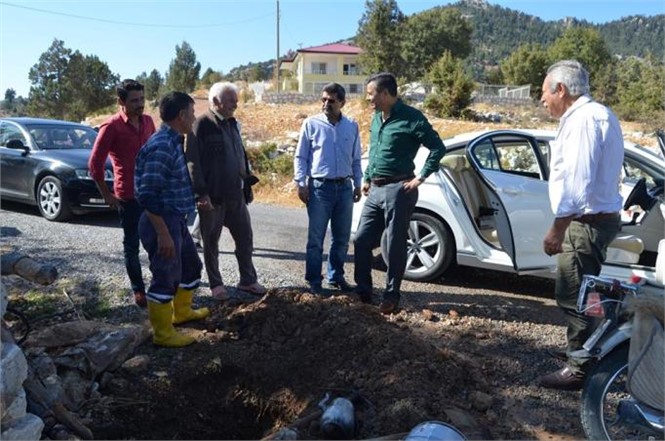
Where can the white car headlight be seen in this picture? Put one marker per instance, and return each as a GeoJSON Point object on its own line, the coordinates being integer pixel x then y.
{"type": "Point", "coordinates": [84, 174]}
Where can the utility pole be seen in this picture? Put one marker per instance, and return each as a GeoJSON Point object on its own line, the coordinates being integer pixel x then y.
{"type": "Point", "coordinates": [277, 55]}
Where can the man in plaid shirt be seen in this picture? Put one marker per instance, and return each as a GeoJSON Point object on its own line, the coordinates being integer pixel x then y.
{"type": "Point", "coordinates": [164, 190]}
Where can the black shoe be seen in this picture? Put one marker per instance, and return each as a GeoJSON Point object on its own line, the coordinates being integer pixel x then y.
{"type": "Point", "coordinates": [341, 286]}
{"type": "Point", "coordinates": [365, 297]}
{"type": "Point", "coordinates": [559, 354]}
{"type": "Point", "coordinates": [563, 379]}
{"type": "Point", "coordinates": [316, 289]}
{"type": "Point", "coordinates": [388, 307]}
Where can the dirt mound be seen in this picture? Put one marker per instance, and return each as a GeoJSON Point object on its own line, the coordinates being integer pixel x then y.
{"type": "Point", "coordinates": [262, 366]}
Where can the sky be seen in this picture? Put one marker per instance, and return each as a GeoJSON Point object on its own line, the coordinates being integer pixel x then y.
{"type": "Point", "coordinates": [141, 35]}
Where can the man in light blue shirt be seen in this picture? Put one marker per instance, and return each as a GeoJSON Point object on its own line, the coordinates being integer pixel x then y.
{"type": "Point", "coordinates": [329, 178]}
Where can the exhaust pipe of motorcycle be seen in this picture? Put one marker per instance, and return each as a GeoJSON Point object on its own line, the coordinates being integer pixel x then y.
{"type": "Point", "coordinates": [637, 414]}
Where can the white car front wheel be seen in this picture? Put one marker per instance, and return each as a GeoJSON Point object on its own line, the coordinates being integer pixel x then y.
{"type": "Point", "coordinates": [430, 248]}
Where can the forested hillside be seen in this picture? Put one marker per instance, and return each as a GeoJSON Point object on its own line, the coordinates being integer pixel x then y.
{"type": "Point", "coordinates": [498, 31]}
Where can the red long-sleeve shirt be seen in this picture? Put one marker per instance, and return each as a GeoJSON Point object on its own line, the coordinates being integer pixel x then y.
{"type": "Point", "coordinates": [120, 140]}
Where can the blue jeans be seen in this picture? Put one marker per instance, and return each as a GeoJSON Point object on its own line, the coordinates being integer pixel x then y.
{"type": "Point", "coordinates": [130, 213]}
{"type": "Point", "coordinates": [328, 202]}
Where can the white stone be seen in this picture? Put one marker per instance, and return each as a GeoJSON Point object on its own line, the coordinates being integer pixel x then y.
{"type": "Point", "coordinates": [16, 410]}
{"type": "Point", "coordinates": [27, 428]}
{"type": "Point", "coordinates": [14, 368]}
{"type": "Point", "coordinates": [3, 300]}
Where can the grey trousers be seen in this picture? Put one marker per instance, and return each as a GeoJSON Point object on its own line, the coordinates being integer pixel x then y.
{"type": "Point", "coordinates": [234, 216]}
{"type": "Point", "coordinates": [584, 251]}
{"type": "Point", "coordinates": [387, 207]}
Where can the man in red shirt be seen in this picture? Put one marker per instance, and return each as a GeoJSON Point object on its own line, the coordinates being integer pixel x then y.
{"type": "Point", "coordinates": [121, 137]}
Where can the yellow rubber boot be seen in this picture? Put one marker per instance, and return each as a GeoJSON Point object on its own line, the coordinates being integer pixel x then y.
{"type": "Point", "coordinates": [182, 307]}
{"type": "Point", "coordinates": [164, 334]}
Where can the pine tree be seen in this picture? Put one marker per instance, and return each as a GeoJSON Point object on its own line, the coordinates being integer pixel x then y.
{"type": "Point", "coordinates": [48, 94]}
{"type": "Point", "coordinates": [427, 35]}
{"type": "Point", "coordinates": [379, 37]}
{"type": "Point", "coordinates": [527, 65]}
{"type": "Point", "coordinates": [585, 45]}
{"type": "Point", "coordinates": [184, 70]}
{"type": "Point", "coordinates": [453, 87]}
{"type": "Point", "coordinates": [153, 84]}
{"type": "Point", "coordinates": [69, 85]}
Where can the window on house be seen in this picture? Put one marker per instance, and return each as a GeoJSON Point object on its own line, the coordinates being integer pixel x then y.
{"type": "Point", "coordinates": [319, 68]}
{"type": "Point", "coordinates": [355, 88]}
{"type": "Point", "coordinates": [350, 69]}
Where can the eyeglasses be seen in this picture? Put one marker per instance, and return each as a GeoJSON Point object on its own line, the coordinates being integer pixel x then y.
{"type": "Point", "coordinates": [330, 100]}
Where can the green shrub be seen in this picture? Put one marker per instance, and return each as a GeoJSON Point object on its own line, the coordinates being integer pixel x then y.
{"type": "Point", "coordinates": [264, 160]}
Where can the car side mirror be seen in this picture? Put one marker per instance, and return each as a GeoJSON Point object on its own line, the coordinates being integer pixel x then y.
{"type": "Point", "coordinates": [18, 145]}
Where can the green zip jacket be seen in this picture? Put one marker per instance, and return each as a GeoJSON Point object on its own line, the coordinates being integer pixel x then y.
{"type": "Point", "coordinates": [395, 142]}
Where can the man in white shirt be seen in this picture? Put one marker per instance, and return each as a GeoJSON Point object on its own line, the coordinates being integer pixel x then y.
{"type": "Point", "coordinates": [585, 173]}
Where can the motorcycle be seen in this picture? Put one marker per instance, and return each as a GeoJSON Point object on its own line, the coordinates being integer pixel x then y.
{"type": "Point", "coordinates": [624, 392]}
{"type": "Point", "coordinates": [622, 397]}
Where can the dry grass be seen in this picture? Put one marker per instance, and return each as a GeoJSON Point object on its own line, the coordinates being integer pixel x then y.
{"type": "Point", "coordinates": [263, 122]}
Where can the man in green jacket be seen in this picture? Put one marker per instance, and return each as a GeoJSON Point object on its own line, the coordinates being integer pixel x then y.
{"type": "Point", "coordinates": [391, 186]}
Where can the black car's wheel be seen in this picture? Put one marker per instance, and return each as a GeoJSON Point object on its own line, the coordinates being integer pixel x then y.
{"type": "Point", "coordinates": [430, 248]}
{"type": "Point", "coordinates": [51, 200]}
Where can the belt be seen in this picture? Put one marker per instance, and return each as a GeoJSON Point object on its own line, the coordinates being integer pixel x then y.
{"type": "Point", "coordinates": [595, 217]}
{"type": "Point", "coordinates": [333, 180]}
{"type": "Point", "coordinates": [385, 180]}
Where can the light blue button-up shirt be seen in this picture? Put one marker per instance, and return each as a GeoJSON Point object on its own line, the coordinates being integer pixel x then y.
{"type": "Point", "coordinates": [327, 150]}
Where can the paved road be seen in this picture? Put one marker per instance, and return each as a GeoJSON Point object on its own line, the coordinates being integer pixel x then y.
{"type": "Point", "coordinates": [91, 245]}
{"type": "Point", "coordinates": [90, 248]}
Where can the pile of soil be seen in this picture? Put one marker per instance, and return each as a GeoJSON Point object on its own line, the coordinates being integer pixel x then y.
{"type": "Point", "coordinates": [261, 366]}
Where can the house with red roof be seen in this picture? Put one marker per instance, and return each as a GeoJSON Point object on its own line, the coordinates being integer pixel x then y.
{"type": "Point", "coordinates": [314, 67]}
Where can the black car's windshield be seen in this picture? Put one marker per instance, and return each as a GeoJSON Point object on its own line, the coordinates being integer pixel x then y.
{"type": "Point", "coordinates": [54, 137]}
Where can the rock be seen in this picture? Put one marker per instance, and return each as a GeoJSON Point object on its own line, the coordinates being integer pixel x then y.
{"type": "Point", "coordinates": [118, 385]}
{"type": "Point", "coordinates": [16, 410]}
{"type": "Point", "coordinates": [293, 135]}
{"type": "Point", "coordinates": [76, 387]}
{"type": "Point", "coordinates": [481, 401]}
{"type": "Point", "coordinates": [3, 300]}
{"type": "Point", "coordinates": [28, 427]}
{"type": "Point", "coordinates": [136, 364]}
{"type": "Point", "coordinates": [14, 368]}
{"type": "Point", "coordinates": [428, 315]}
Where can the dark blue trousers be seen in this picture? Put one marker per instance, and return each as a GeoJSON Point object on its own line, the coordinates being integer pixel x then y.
{"type": "Point", "coordinates": [387, 207]}
{"type": "Point", "coordinates": [182, 270]}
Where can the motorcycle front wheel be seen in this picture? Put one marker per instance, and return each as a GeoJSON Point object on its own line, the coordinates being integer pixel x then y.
{"type": "Point", "coordinates": [604, 388]}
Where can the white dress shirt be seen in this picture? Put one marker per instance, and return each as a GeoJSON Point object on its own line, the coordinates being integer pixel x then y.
{"type": "Point", "coordinates": [587, 157]}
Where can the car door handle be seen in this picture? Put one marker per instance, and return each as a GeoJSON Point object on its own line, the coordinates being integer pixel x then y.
{"type": "Point", "coordinates": [511, 191]}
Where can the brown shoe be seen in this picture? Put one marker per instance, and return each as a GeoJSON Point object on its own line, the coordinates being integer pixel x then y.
{"type": "Point", "coordinates": [563, 379]}
{"type": "Point", "coordinates": [255, 288]}
{"type": "Point", "coordinates": [388, 307]}
{"type": "Point", "coordinates": [219, 293]}
{"type": "Point", "coordinates": [140, 299]}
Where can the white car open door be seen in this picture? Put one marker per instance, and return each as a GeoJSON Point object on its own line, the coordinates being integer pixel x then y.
{"type": "Point", "coordinates": [513, 166]}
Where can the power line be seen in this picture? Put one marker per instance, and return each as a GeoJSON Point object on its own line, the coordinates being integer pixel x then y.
{"type": "Point", "coordinates": [147, 25]}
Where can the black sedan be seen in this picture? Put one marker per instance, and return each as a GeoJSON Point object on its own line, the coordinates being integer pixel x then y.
{"type": "Point", "coordinates": [45, 163]}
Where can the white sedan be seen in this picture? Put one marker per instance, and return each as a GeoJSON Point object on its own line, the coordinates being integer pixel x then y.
{"type": "Point", "coordinates": [487, 206]}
